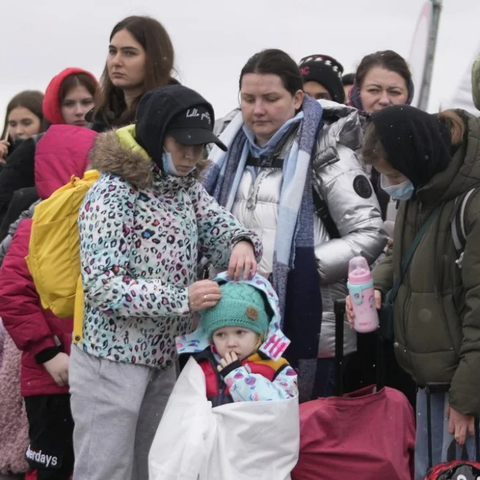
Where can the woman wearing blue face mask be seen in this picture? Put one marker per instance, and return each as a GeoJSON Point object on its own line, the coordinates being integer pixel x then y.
{"type": "Point", "coordinates": [429, 163]}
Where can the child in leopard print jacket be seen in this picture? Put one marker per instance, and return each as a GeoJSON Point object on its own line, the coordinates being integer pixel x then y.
{"type": "Point", "coordinates": [142, 227]}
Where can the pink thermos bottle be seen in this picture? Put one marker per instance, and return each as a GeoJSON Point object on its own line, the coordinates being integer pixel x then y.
{"type": "Point", "coordinates": [360, 287]}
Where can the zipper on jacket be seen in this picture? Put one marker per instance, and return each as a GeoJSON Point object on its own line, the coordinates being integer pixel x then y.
{"type": "Point", "coordinates": [255, 188]}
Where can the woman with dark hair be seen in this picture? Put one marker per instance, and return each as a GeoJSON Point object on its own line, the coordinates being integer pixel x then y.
{"type": "Point", "coordinates": [23, 119]}
{"type": "Point", "coordinates": [70, 95]}
{"type": "Point", "coordinates": [290, 157]}
{"type": "Point", "coordinates": [429, 163]}
{"type": "Point", "coordinates": [140, 58]}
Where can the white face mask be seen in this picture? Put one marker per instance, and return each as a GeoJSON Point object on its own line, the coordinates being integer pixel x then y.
{"type": "Point", "coordinates": [169, 166]}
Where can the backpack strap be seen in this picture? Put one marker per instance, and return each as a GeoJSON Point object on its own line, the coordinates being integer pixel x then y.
{"type": "Point", "coordinates": [457, 222]}
{"type": "Point", "coordinates": [392, 294]}
{"type": "Point", "coordinates": [321, 210]}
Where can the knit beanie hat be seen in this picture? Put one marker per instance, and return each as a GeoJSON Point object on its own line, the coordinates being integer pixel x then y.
{"type": "Point", "coordinates": [326, 71]}
{"type": "Point", "coordinates": [241, 305]}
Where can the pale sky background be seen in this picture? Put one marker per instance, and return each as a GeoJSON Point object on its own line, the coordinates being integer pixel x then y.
{"type": "Point", "coordinates": [214, 38]}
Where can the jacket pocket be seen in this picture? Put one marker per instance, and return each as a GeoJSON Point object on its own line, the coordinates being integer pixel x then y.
{"type": "Point", "coordinates": [426, 328]}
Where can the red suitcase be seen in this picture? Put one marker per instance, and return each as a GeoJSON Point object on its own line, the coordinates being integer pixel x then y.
{"type": "Point", "coordinates": [365, 435]}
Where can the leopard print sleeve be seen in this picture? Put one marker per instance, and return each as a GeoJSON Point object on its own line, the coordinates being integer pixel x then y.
{"type": "Point", "coordinates": [107, 224]}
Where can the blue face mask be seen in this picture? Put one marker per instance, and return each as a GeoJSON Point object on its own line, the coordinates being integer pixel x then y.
{"type": "Point", "coordinates": [169, 166]}
{"type": "Point", "coordinates": [402, 191]}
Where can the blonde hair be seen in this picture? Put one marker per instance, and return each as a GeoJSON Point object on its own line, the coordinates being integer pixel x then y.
{"type": "Point", "coordinates": [260, 340]}
{"type": "Point", "coordinates": [201, 168]}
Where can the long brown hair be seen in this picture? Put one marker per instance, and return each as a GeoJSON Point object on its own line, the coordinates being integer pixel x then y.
{"type": "Point", "coordinates": [112, 109]}
{"type": "Point", "coordinates": [31, 100]}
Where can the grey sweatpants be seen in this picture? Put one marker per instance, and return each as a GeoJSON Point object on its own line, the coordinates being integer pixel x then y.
{"type": "Point", "coordinates": [116, 408]}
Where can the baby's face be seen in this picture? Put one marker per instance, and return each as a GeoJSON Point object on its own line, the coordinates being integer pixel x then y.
{"type": "Point", "coordinates": [235, 339]}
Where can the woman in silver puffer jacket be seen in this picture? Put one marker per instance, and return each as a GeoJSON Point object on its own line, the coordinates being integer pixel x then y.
{"type": "Point", "coordinates": [279, 133]}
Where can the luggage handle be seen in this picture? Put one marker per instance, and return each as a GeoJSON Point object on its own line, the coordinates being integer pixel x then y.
{"type": "Point", "coordinates": [339, 309]}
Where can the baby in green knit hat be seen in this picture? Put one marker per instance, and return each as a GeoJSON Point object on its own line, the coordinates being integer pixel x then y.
{"type": "Point", "coordinates": [234, 367]}
{"type": "Point", "coordinates": [238, 324]}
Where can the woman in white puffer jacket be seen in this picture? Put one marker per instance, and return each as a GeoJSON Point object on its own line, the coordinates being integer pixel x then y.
{"type": "Point", "coordinates": [285, 152]}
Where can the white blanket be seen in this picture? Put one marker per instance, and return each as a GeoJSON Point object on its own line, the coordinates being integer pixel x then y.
{"type": "Point", "coordinates": [238, 441]}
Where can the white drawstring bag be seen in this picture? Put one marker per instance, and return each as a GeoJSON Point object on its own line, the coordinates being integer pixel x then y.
{"type": "Point", "coordinates": [237, 441]}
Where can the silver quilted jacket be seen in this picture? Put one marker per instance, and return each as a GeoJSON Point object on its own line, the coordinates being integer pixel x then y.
{"type": "Point", "coordinates": [351, 202]}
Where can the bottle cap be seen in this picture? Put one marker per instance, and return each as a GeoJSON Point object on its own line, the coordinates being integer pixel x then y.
{"type": "Point", "coordinates": [358, 270]}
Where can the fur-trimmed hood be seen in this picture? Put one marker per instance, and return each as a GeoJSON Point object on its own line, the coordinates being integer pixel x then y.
{"type": "Point", "coordinates": [119, 153]}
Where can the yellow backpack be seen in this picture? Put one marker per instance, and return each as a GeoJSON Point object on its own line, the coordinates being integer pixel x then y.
{"type": "Point", "coordinates": [54, 250]}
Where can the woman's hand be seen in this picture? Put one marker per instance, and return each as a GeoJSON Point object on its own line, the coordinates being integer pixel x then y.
{"type": "Point", "coordinates": [4, 145]}
{"type": "Point", "coordinates": [460, 425]}
{"type": "Point", "coordinates": [203, 294]}
{"type": "Point", "coordinates": [349, 306]}
{"type": "Point", "coordinates": [243, 260]}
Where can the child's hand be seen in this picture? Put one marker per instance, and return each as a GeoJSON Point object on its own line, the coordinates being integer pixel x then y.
{"type": "Point", "coordinates": [230, 357]}
{"type": "Point", "coordinates": [57, 367]}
